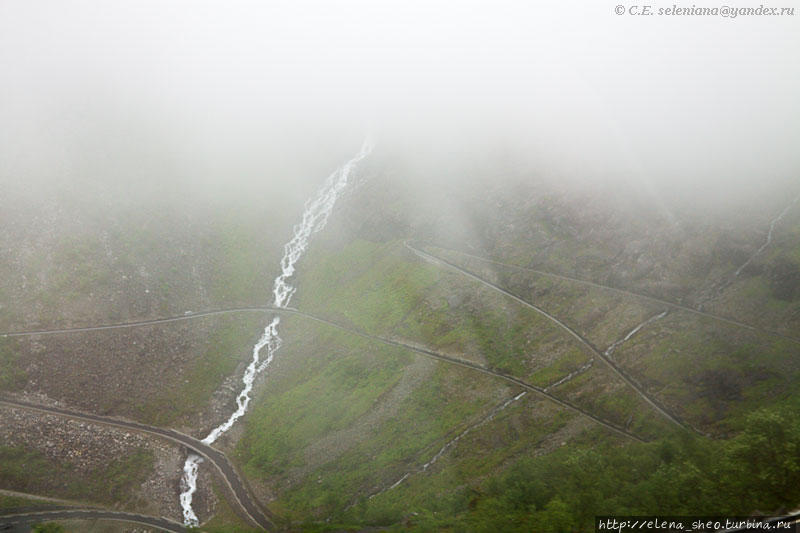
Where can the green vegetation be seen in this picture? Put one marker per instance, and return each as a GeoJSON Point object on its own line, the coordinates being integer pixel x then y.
{"type": "Point", "coordinates": [422, 424]}
{"type": "Point", "coordinates": [386, 290]}
{"type": "Point", "coordinates": [220, 525]}
{"type": "Point", "coordinates": [228, 344]}
{"type": "Point", "coordinates": [122, 475]}
{"type": "Point", "coordinates": [79, 267]}
{"type": "Point", "coordinates": [569, 361]}
{"type": "Point", "coordinates": [341, 419]}
{"type": "Point", "coordinates": [438, 496]}
{"type": "Point", "coordinates": [485, 485]}
{"type": "Point", "coordinates": [379, 285]}
{"type": "Point", "coordinates": [8, 501]}
{"type": "Point", "coordinates": [499, 342]}
{"type": "Point", "coordinates": [11, 376]}
{"type": "Point", "coordinates": [241, 263]}
{"type": "Point", "coordinates": [757, 469]}
{"type": "Point", "coordinates": [361, 414]}
{"type": "Point", "coordinates": [48, 527]}
{"type": "Point", "coordinates": [733, 372]}
{"type": "Point", "coordinates": [329, 394]}
{"type": "Point", "coordinates": [225, 520]}
{"type": "Point", "coordinates": [564, 490]}
{"type": "Point", "coordinates": [28, 470]}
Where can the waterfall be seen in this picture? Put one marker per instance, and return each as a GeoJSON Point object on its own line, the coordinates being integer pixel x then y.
{"type": "Point", "coordinates": [315, 217]}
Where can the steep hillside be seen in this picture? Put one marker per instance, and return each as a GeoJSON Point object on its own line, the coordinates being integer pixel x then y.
{"type": "Point", "coordinates": [467, 354]}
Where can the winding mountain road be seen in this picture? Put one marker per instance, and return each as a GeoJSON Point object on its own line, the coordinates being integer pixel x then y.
{"type": "Point", "coordinates": [653, 299]}
{"type": "Point", "coordinates": [152, 322]}
{"type": "Point", "coordinates": [580, 338]}
{"type": "Point", "coordinates": [292, 311]}
{"type": "Point", "coordinates": [249, 509]}
{"type": "Point", "coordinates": [13, 521]}
{"type": "Point", "coordinates": [473, 366]}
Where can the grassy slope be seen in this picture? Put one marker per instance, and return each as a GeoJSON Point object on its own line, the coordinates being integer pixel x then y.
{"type": "Point", "coordinates": [382, 289]}
{"type": "Point", "coordinates": [227, 344]}
{"type": "Point", "coordinates": [385, 290]}
{"type": "Point", "coordinates": [133, 264]}
{"type": "Point", "coordinates": [81, 275]}
{"type": "Point", "coordinates": [225, 520]}
{"type": "Point", "coordinates": [12, 377]}
{"type": "Point", "coordinates": [377, 288]}
{"type": "Point", "coordinates": [767, 292]}
{"type": "Point", "coordinates": [102, 267]}
{"type": "Point", "coordinates": [330, 381]}
{"type": "Point", "coordinates": [30, 471]}
{"type": "Point", "coordinates": [8, 502]}
{"type": "Point", "coordinates": [733, 370]}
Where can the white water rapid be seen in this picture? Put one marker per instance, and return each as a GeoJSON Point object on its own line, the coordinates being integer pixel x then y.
{"type": "Point", "coordinates": [315, 216]}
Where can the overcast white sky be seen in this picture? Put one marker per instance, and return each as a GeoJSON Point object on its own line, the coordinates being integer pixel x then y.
{"type": "Point", "coordinates": [676, 98]}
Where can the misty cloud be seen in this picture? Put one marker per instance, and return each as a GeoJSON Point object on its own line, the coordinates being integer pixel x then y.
{"type": "Point", "coordinates": [220, 92]}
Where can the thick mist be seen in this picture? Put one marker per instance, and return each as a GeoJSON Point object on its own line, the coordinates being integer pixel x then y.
{"type": "Point", "coordinates": [519, 188]}
{"type": "Point", "coordinates": [198, 100]}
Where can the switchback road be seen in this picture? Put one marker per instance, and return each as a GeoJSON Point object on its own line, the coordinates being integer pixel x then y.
{"type": "Point", "coordinates": [672, 305]}
{"type": "Point", "coordinates": [246, 503]}
{"type": "Point", "coordinates": [580, 338]}
{"type": "Point", "coordinates": [291, 311]}
{"type": "Point", "coordinates": [13, 522]}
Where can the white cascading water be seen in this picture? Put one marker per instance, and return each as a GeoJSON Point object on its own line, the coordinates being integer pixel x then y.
{"type": "Point", "coordinates": [769, 236]}
{"type": "Point", "coordinates": [452, 442]}
{"type": "Point", "coordinates": [610, 350]}
{"type": "Point", "coordinates": [315, 216]}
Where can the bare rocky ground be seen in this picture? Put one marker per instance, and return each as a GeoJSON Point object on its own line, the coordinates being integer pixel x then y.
{"type": "Point", "coordinates": [102, 526]}
{"type": "Point", "coordinates": [75, 368]}
{"type": "Point", "coordinates": [147, 364]}
{"type": "Point", "coordinates": [54, 281]}
{"type": "Point", "coordinates": [66, 269]}
{"type": "Point", "coordinates": [67, 265]}
{"type": "Point", "coordinates": [90, 450]}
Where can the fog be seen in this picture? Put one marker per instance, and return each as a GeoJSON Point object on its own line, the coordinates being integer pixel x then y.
{"type": "Point", "coordinates": [270, 96]}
